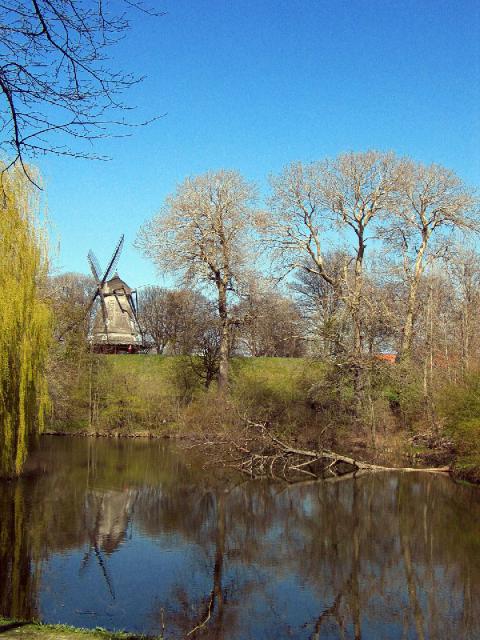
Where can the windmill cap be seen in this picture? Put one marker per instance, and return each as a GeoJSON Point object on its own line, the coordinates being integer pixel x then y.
{"type": "Point", "coordinates": [117, 283]}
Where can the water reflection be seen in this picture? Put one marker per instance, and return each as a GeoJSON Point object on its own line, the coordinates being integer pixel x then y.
{"type": "Point", "coordinates": [135, 535]}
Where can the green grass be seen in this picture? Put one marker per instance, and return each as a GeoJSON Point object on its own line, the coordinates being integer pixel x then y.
{"type": "Point", "coordinates": [32, 630]}
{"type": "Point", "coordinates": [286, 378]}
{"type": "Point", "coordinates": [282, 376]}
{"type": "Point", "coordinates": [145, 370]}
{"type": "Point", "coordinates": [151, 394]}
{"type": "Point", "coordinates": [274, 389]}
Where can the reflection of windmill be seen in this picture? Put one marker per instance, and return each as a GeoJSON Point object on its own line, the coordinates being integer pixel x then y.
{"type": "Point", "coordinates": [107, 516]}
{"type": "Point", "coordinates": [115, 328]}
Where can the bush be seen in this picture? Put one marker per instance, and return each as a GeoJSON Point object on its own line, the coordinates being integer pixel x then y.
{"type": "Point", "coordinates": [460, 407]}
{"type": "Point", "coordinates": [274, 389]}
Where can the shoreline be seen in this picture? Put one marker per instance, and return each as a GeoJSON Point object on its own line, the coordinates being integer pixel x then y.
{"type": "Point", "coordinates": [31, 629]}
{"type": "Point", "coordinates": [109, 434]}
{"type": "Point", "coordinates": [455, 474]}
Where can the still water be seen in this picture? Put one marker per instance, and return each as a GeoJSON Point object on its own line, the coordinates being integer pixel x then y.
{"type": "Point", "coordinates": [141, 536]}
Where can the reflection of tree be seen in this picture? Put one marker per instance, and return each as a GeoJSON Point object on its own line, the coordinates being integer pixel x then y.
{"type": "Point", "coordinates": [331, 611]}
{"type": "Point", "coordinates": [19, 572]}
{"type": "Point", "coordinates": [343, 540]}
{"type": "Point", "coordinates": [355, 590]}
{"type": "Point", "coordinates": [216, 597]}
{"type": "Point", "coordinates": [404, 537]}
{"type": "Point", "coordinates": [389, 552]}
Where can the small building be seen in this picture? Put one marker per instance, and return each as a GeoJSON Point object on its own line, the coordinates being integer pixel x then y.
{"type": "Point", "coordinates": [389, 358]}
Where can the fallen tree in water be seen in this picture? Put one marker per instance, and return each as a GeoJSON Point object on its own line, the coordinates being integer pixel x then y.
{"type": "Point", "coordinates": [258, 452]}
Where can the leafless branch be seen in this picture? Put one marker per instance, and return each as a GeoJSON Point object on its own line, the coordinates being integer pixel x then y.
{"type": "Point", "coordinates": [55, 76]}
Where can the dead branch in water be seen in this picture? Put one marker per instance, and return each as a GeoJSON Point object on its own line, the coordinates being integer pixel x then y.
{"type": "Point", "coordinates": [257, 452]}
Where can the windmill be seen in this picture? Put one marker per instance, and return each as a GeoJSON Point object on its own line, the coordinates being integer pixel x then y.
{"type": "Point", "coordinates": [115, 327]}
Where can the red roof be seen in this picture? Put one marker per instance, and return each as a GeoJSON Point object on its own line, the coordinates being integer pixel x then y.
{"type": "Point", "coordinates": [391, 358]}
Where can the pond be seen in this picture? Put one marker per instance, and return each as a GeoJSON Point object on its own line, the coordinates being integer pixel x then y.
{"type": "Point", "coordinates": [140, 535]}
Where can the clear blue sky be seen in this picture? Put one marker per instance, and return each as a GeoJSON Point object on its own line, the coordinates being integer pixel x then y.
{"type": "Point", "coordinates": [254, 84]}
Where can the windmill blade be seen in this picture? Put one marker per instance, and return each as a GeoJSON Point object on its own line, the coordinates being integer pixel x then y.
{"type": "Point", "coordinates": [91, 303]}
{"type": "Point", "coordinates": [114, 261]}
{"type": "Point", "coordinates": [135, 307]}
{"type": "Point", "coordinates": [133, 303]}
{"type": "Point", "coordinates": [94, 265]}
{"type": "Point", "coordinates": [104, 312]}
{"type": "Point", "coordinates": [135, 314]}
{"type": "Point", "coordinates": [118, 301]}
{"type": "Point", "coordinates": [136, 301]}
{"type": "Point", "coordinates": [103, 567]}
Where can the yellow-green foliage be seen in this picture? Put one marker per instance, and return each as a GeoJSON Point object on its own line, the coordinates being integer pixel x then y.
{"type": "Point", "coordinates": [273, 388]}
{"type": "Point", "coordinates": [157, 393]}
{"type": "Point", "coordinates": [136, 392]}
{"type": "Point", "coordinates": [25, 323]}
{"type": "Point", "coordinates": [120, 393]}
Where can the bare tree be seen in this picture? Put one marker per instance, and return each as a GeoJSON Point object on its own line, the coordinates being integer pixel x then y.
{"type": "Point", "coordinates": [203, 234]}
{"type": "Point", "coordinates": [358, 190]}
{"type": "Point", "coordinates": [153, 316]}
{"type": "Point", "coordinates": [323, 307]}
{"type": "Point", "coordinates": [431, 204]}
{"type": "Point", "coordinates": [464, 270]}
{"type": "Point", "coordinates": [70, 295]}
{"type": "Point", "coordinates": [205, 362]}
{"type": "Point", "coordinates": [54, 75]}
{"type": "Point", "coordinates": [270, 323]}
{"type": "Point", "coordinates": [174, 320]}
{"type": "Point", "coordinates": [349, 193]}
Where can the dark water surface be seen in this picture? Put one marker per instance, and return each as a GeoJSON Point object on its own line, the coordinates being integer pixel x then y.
{"type": "Point", "coordinates": [136, 535]}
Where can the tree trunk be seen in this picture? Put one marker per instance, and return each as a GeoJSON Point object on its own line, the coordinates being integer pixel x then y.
{"type": "Point", "coordinates": [224, 338]}
{"type": "Point", "coordinates": [355, 305]}
{"type": "Point", "coordinates": [357, 299]}
{"type": "Point", "coordinates": [465, 339]}
{"type": "Point", "coordinates": [407, 334]}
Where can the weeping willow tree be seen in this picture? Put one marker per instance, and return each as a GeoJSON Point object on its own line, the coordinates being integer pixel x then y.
{"type": "Point", "coordinates": [25, 322]}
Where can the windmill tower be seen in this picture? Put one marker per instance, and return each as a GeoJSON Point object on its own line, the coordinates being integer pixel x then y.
{"type": "Point", "coordinates": [115, 326]}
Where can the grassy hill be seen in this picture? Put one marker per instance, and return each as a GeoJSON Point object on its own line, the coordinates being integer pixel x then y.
{"type": "Point", "coordinates": [165, 394]}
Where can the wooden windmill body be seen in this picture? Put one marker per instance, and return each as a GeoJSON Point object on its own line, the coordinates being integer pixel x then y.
{"type": "Point", "coordinates": [115, 327]}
